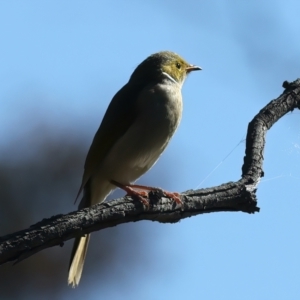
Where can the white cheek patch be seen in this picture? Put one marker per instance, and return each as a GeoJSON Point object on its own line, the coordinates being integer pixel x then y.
{"type": "Point", "coordinates": [170, 77]}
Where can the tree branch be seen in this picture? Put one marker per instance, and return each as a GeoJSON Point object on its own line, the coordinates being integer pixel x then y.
{"type": "Point", "coordinates": [232, 196]}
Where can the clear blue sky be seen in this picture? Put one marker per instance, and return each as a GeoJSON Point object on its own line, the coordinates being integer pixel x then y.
{"type": "Point", "coordinates": [62, 61]}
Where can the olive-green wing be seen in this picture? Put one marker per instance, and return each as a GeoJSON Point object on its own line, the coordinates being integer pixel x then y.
{"type": "Point", "coordinates": [119, 116]}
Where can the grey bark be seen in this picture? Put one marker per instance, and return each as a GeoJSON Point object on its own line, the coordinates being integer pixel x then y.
{"type": "Point", "coordinates": [231, 196]}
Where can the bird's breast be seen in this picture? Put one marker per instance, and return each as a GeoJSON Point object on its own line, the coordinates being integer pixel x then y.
{"type": "Point", "coordinates": [161, 107]}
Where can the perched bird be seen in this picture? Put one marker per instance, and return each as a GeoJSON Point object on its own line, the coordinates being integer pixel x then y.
{"type": "Point", "coordinates": [137, 126]}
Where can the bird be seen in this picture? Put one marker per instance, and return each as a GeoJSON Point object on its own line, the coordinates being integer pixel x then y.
{"type": "Point", "coordinates": [136, 128]}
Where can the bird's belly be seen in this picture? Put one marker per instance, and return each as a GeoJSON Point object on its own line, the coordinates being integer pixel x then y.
{"type": "Point", "coordinates": [136, 152]}
{"type": "Point", "coordinates": [126, 162]}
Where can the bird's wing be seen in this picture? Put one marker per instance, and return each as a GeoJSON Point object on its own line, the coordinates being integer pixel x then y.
{"type": "Point", "coordinates": [119, 116]}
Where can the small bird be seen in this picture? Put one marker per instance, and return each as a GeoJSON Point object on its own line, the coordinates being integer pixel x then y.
{"type": "Point", "coordinates": [136, 128]}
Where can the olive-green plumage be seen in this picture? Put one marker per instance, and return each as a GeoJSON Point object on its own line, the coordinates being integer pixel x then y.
{"type": "Point", "coordinates": [137, 126]}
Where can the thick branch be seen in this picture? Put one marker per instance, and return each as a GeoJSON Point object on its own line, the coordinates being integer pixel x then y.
{"type": "Point", "coordinates": [232, 196]}
{"type": "Point", "coordinates": [264, 120]}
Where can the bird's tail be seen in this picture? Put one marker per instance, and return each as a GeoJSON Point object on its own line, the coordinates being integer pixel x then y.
{"type": "Point", "coordinates": [101, 190]}
{"type": "Point", "coordinates": [77, 259]}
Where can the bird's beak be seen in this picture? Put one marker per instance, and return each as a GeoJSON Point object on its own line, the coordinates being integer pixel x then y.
{"type": "Point", "coordinates": [192, 68]}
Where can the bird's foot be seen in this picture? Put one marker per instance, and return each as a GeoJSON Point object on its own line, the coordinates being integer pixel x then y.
{"type": "Point", "coordinates": [139, 191]}
{"type": "Point", "coordinates": [133, 193]}
{"type": "Point", "coordinates": [173, 195]}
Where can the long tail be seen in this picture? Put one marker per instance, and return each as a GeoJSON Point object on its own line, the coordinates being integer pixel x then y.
{"type": "Point", "coordinates": [100, 192]}
{"type": "Point", "coordinates": [77, 259]}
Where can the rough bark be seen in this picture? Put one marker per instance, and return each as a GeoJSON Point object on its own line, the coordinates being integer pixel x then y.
{"type": "Point", "coordinates": [231, 196]}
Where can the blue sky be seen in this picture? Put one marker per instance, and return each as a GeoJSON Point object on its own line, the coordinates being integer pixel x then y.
{"type": "Point", "coordinates": [61, 63]}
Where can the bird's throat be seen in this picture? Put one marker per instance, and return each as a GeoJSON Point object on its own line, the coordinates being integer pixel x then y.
{"type": "Point", "coordinates": [170, 77]}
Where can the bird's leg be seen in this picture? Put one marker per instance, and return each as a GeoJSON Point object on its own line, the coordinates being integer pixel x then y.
{"type": "Point", "coordinates": [131, 192]}
{"type": "Point", "coordinates": [173, 195]}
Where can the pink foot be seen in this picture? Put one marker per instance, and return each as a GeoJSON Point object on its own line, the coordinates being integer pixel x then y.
{"type": "Point", "coordinates": [140, 194]}
{"type": "Point", "coordinates": [131, 192]}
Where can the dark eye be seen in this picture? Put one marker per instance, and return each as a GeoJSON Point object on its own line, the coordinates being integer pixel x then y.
{"type": "Point", "coordinates": [178, 65]}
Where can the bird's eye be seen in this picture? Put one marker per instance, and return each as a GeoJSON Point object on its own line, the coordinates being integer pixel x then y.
{"type": "Point", "coordinates": [178, 65]}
